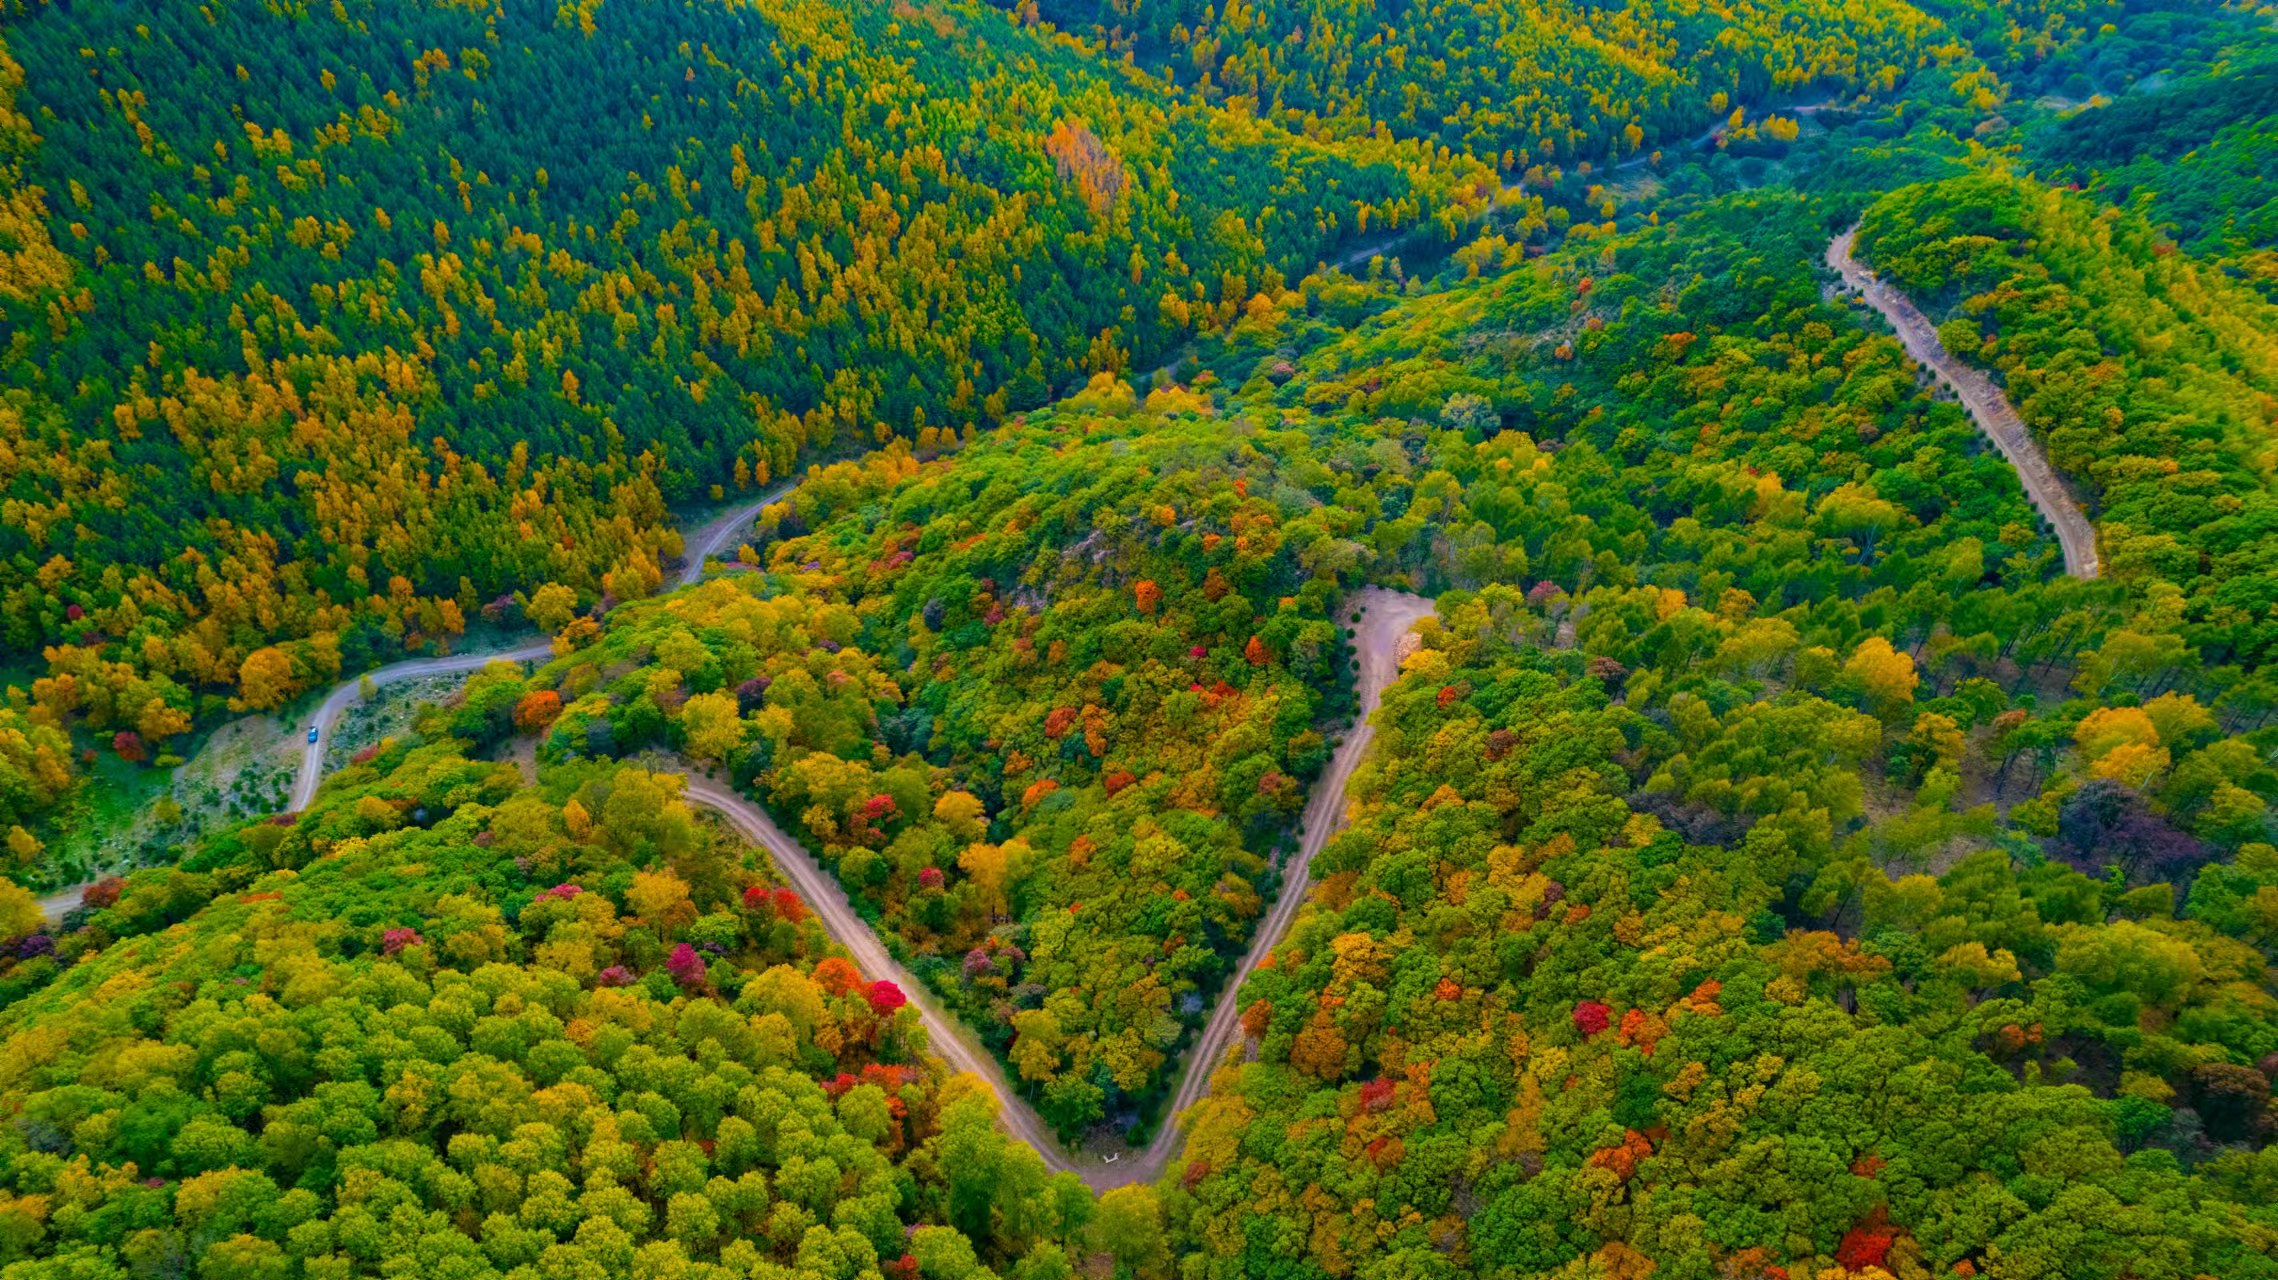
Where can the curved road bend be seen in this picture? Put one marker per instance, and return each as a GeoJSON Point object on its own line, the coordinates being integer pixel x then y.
{"type": "Point", "coordinates": [711, 539]}
{"type": "Point", "coordinates": [348, 692]}
{"type": "Point", "coordinates": [1987, 406]}
{"type": "Point", "coordinates": [1385, 618]}
{"type": "Point", "coordinates": [708, 539]}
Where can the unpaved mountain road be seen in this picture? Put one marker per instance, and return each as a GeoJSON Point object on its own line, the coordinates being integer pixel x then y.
{"type": "Point", "coordinates": [1386, 616]}
{"type": "Point", "coordinates": [1987, 406]}
{"type": "Point", "coordinates": [712, 538]}
{"type": "Point", "coordinates": [950, 1040]}
{"type": "Point", "coordinates": [349, 692]}
{"type": "Point", "coordinates": [701, 543]}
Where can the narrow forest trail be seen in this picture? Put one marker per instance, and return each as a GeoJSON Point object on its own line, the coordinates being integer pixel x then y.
{"type": "Point", "coordinates": [1988, 407]}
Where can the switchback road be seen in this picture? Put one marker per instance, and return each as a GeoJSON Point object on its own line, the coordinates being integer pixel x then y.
{"type": "Point", "coordinates": [1386, 616]}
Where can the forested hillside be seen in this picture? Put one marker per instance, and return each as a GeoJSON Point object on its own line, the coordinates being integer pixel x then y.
{"type": "Point", "coordinates": [493, 1028]}
{"type": "Point", "coordinates": [1524, 83]}
{"type": "Point", "coordinates": [1047, 710]}
{"type": "Point", "coordinates": [2150, 375]}
{"type": "Point", "coordinates": [1766, 860]}
{"type": "Point", "coordinates": [311, 365]}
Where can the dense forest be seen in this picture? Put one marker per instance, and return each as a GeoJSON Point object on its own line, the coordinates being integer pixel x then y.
{"type": "Point", "coordinates": [312, 366]}
{"type": "Point", "coordinates": [1768, 862]}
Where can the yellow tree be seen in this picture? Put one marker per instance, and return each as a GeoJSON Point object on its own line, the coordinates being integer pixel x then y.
{"type": "Point", "coordinates": [264, 680]}
{"type": "Point", "coordinates": [552, 606]}
{"type": "Point", "coordinates": [1882, 675]}
{"type": "Point", "coordinates": [963, 813]}
{"type": "Point", "coordinates": [715, 725]}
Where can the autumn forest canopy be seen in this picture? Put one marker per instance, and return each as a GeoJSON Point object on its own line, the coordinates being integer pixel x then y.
{"type": "Point", "coordinates": [1296, 639]}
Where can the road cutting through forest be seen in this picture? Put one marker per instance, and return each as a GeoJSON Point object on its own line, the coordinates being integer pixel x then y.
{"type": "Point", "coordinates": [1385, 617]}
{"type": "Point", "coordinates": [1988, 407]}
{"type": "Point", "coordinates": [703, 542]}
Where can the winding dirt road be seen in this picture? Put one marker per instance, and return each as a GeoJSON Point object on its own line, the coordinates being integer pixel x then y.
{"type": "Point", "coordinates": [1386, 616]}
{"type": "Point", "coordinates": [1987, 406]}
{"type": "Point", "coordinates": [349, 692]}
{"type": "Point", "coordinates": [950, 1041]}
{"type": "Point", "coordinates": [702, 542]}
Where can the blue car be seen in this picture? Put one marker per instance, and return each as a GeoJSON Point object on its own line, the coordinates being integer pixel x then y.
{"type": "Point", "coordinates": [312, 733]}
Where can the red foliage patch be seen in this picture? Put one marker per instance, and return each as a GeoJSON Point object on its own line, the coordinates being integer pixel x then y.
{"type": "Point", "coordinates": [1118, 780]}
{"type": "Point", "coordinates": [1867, 1244]}
{"type": "Point", "coordinates": [1591, 1017]}
{"type": "Point", "coordinates": [685, 966]}
{"type": "Point", "coordinates": [885, 997]}
{"type": "Point", "coordinates": [1376, 1095]}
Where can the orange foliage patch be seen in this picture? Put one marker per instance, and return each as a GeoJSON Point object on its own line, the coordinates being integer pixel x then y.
{"type": "Point", "coordinates": [537, 710]}
{"type": "Point", "coordinates": [837, 975]}
{"type": "Point", "coordinates": [1623, 1159]}
{"type": "Point", "coordinates": [1080, 157]}
{"type": "Point", "coordinates": [1257, 1018]}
